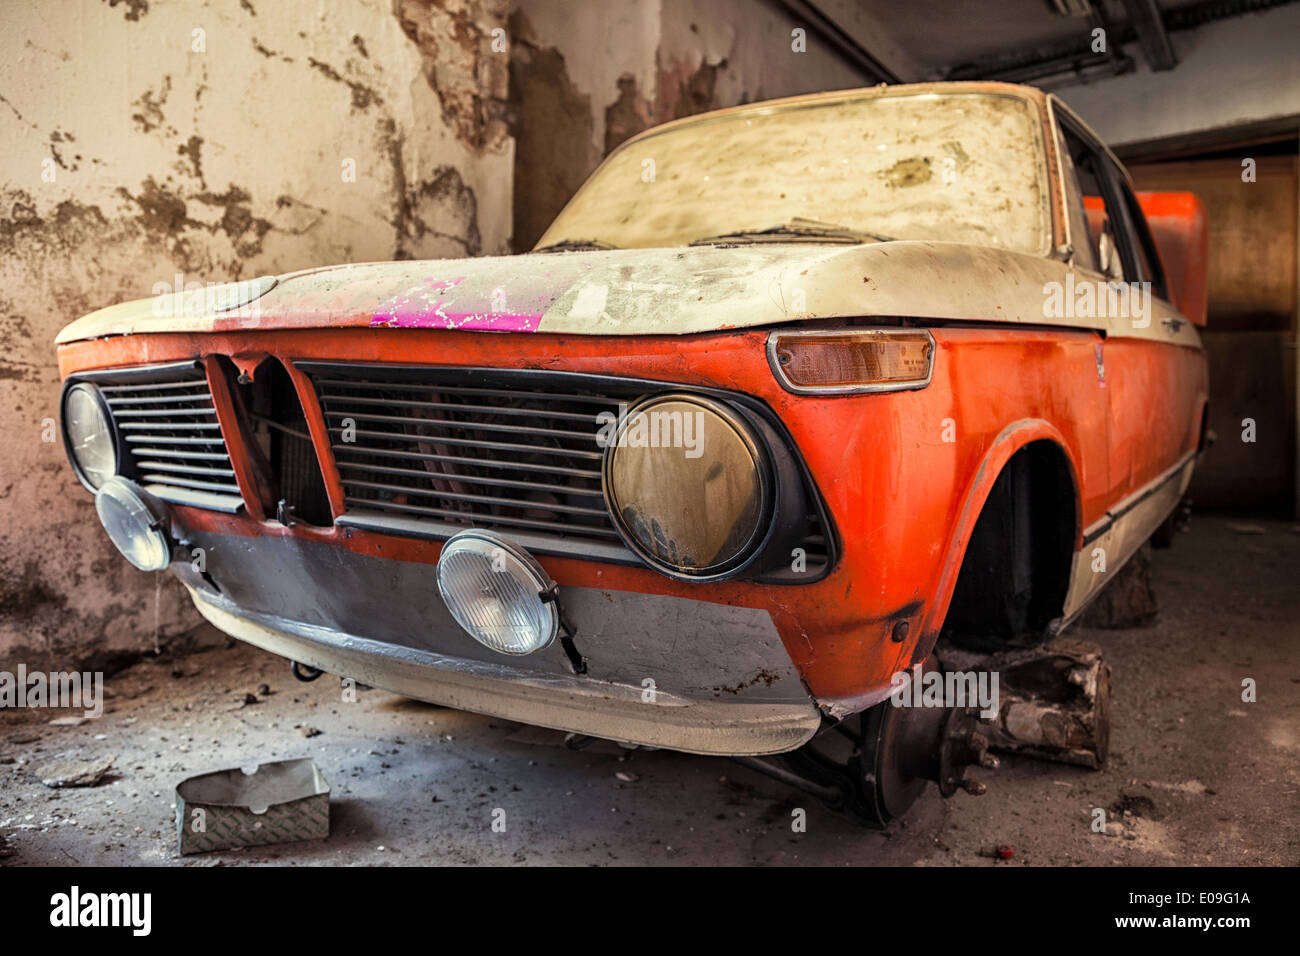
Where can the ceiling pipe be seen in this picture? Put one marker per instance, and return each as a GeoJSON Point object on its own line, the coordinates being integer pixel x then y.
{"type": "Point", "coordinates": [1075, 56]}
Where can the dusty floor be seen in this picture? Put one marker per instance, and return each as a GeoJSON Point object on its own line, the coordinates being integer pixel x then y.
{"type": "Point", "coordinates": [1204, 777]}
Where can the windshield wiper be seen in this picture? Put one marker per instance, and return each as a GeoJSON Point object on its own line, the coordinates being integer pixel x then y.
{"type": "Point", "coordinates": [804, 230]}
{"type": "Point", "coordinates": [571, 245]}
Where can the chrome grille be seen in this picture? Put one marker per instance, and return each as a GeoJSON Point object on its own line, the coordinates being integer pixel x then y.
{"type": "Point", "coordinates": [169, 427]}
{"type": "Point", "coordinates": [447, 454]}
{"type": "Point", "coordinates": [428, 452]}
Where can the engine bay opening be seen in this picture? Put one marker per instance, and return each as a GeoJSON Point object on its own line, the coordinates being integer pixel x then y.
{"type": "Point", "coordinates": [281, 441]}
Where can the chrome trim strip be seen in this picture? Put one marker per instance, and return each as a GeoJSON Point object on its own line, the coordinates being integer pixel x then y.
{"type": "Point", "coordinates": [209, 501]}
{"type": "Point", "coordinates": [431, 530]}
{"type": "Point", "coordinates": [1102, 525]}
{"type": "Point", "coordinates": [1119, 535]}
{"type": "Point", "coordinates": [1063, 207]}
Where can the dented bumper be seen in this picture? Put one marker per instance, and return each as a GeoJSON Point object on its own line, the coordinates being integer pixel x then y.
{"type": "Point", "coordinates": [660, 671]}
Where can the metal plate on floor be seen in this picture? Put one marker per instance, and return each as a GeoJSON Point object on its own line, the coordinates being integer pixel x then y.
{"type": "Point", "coordinates": [281, 802]}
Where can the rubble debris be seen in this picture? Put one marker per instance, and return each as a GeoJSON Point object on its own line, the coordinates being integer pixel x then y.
{"type": "Point", "coordinates": [309, 731]}
{"type": "Point", "coordinates": [68, 721]}
{"type": "Point", "coordinates": [73, 773]}
{"type": "Point", "coordinates": [1134, 805]}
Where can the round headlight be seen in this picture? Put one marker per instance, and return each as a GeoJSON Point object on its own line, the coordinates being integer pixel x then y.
{"type": "Point", "coordinates": [88, 433]}
{"type": "Point", "coordinates": [135, 529]}
{"type": "Point", "coordinates": [688, 486]}
{"type": "Point", "coordinates": [497, 592]}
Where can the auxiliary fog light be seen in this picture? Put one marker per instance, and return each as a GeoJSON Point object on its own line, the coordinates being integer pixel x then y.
{"type": "Point", "coordinates": [497, 592]}
{"type": "Point", "coordinates": [132, 526]}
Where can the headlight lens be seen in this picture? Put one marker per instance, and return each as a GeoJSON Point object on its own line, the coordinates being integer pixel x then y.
{"type": "Point", "coordinates": [135, 529]}
{"type": "Point", "coordinates": [688, 486]}
{"type": "Point", "coordinates": [497, 592]}
{"type": "Point", "coordinates": [89, 434]}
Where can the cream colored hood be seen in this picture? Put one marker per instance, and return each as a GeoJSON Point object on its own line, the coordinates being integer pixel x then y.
{"type": "Point", "coordinates": [620, 292]}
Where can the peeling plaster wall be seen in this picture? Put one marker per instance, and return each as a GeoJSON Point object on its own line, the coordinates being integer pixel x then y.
{"type": "Point", "coordinates": [716, 53]}
{"type": "Point", "coordinates": [212, 140]}
{"type": "Point", "coordinates": [586, 77]}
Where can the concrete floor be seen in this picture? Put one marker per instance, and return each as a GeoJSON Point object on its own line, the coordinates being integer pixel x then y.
{"type": "Point", "coordinates": [1195, 775]}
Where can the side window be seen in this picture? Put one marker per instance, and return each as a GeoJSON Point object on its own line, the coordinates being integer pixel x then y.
{"type": "Point", "coordinates": [1119, 240]}
{"type": "Point", "coordinates": [1143, 246]}
{"type": "Point", "coordinates": [1085, 247]}
{"type": "Point", "coordinates": [1097, 246]}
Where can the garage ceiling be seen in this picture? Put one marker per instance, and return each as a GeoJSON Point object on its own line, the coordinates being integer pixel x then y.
{"type": "Point", "coordinates": [1032, 40]}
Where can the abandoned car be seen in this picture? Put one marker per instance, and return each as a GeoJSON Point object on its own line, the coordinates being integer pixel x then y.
{"type": "Point", "coordinates": [785, 394]}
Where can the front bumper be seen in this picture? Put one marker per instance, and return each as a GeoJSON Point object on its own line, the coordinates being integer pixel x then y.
{"type": "Point", "coordinates": [606, 709]}
{"type": "Point", "coordinates": [661, 671]}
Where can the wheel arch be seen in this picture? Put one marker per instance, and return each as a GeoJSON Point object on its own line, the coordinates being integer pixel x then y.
{"type": "Point", "coordinates": [1011, 441]}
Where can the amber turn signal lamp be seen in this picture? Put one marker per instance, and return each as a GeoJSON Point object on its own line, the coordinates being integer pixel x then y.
{"type": "Point", "coordinates": [865, 360]}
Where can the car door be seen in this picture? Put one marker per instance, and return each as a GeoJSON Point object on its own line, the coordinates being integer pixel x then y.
{"type": "Point", "coordinates": [1149, 345]}
{"type": "Point", "coordinates": [1152, 357]}
{"type": "Point", "coordinates": [1149, 359]}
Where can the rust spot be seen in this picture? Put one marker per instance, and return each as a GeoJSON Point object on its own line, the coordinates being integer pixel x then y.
{"type": "Point", "coordinates": [764, 677]}
{"type": "Point", "coordinates": [908, 172]}
{"type": "Point", "coordinates": [135, 9]}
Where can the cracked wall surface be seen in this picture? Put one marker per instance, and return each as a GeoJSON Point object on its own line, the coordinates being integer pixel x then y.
{"type": "Point", "coordinates": [586, 77]}
{"type": "Point", "coordinates": [211, 141]}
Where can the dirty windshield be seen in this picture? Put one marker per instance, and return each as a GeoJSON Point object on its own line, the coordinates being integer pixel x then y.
{"type": "Point", "coordinates": [965, 167]}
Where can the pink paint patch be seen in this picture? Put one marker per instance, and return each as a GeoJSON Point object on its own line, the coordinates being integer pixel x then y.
{"type": "Point", "coordinates": [425, 306]}
{"type": "Point", "coordinates": [473, 322]}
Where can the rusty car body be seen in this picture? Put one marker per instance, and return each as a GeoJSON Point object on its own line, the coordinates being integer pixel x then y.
{"type": "Point", "coordinates": [918, 422]}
